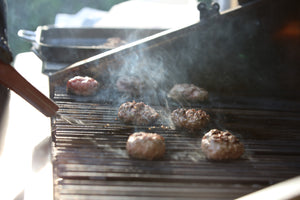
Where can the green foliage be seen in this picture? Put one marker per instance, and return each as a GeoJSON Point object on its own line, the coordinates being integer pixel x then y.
{"type": "Point", "coordinates": [31, 14]}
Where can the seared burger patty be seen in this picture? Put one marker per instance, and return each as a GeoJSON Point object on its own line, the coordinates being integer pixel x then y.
{"type": "Point", "coordinates": [130, 85]}
{"type": "Point", "coordinates": [190, 119]}
{"type": "Point", "coordinates": [137, 113]}
{"type": "Point", "coordinates": [83, 86]}
{"type": "Point", "coordinates": [188, 92]}
{"type": "Point", "coordinates": [221, 145]}
{"type": "Point", "coordinates": [147, 146]}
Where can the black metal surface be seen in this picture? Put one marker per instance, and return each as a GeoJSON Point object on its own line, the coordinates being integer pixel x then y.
{"type": "Point", "coordinates": [68, 45]}
{"type": "Point", "coordinates": [206, 12]}
{"type": "Point", "coordinates": [239, 53]}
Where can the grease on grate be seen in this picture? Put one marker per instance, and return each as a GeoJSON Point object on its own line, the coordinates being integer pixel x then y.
{"type": "Point", "coordinates": [70, 120]}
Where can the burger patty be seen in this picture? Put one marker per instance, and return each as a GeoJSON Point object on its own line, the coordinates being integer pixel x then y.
{"type": "Point", "coordinates": [137, 113]}
{"type": "Point", "coordinates": [148, 146]}
{"type": "Point", "coordinates": [221, 145]}
{"type": "Point", "coordinates": [83, 86]}
{"type": "Point", "coordinates": [190, 119]}
{"type": "Point", "coordinates": [188, 92]}
{"type": "Point", "coordinates": [130, 85]}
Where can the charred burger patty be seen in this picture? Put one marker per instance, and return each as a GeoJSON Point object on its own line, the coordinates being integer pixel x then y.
{"type": "Point", "coordinates": [221, 145]}
{"type": "Point", "coordinates": [147, 146]}
{"type": "Point", "coordinates": [137, 113]}
{"type": "Point", "coordinates": [188, 92]}
{"type": "Point", "coordinates": [130, 85]}
{"type": "Point", "coordinates": [190, 119]}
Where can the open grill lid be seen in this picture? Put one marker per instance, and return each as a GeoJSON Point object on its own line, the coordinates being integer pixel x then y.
{"type": "Point", "coordinates": [248, 51]}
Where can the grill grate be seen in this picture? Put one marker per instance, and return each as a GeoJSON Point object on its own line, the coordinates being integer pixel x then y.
{"type": "Point", "coordinates": [90, 160]}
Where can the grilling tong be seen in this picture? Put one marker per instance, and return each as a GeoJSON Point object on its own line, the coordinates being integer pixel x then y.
{"type": "Point", "coordinates": [10, 78]}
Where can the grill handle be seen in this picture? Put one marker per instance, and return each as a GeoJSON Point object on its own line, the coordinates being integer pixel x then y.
{"type": "Point", "coordinates": [27, 35]}
{"type": "Point", "coordinates": [10, 78]}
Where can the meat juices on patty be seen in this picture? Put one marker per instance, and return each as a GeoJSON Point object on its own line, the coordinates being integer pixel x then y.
{"type": "Point", "coordinates": [148, 146]}
{"type": "Point", "coordinates": [130, 84]}
{"type": "Point", "coordinates": [137, 113]}
{"type": "Point", "coordinates": [221, 145]}
{"type": "Point", "coordinates": [188, 92]}
{"type": "Point", "coordinates": [190, 119]}
{"type": "Point", "coordinates": [83, 86]}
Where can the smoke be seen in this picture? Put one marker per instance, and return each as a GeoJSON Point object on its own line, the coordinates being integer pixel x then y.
{"type": "Point", "coordinates": [153, 72]}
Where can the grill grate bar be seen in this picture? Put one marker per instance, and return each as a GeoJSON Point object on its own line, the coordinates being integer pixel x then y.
{"type": "Point", "coordinates": [90, 160]}
{"type": "Point", "coordinates": [142, 190]}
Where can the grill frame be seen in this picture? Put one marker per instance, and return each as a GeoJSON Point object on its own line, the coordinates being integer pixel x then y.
{"type": "Point", "coordinates": [90, 161]}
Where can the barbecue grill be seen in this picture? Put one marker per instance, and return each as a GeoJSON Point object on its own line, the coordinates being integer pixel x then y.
{"type": "Point", "coordinates": [248, 60]}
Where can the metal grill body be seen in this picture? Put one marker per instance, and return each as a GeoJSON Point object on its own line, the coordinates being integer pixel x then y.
{"type": "Point", "coordinates": [252, 76]}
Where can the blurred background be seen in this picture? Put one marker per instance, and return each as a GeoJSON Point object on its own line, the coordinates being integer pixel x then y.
{"type": "Point", "coordinates": [30, 14]}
